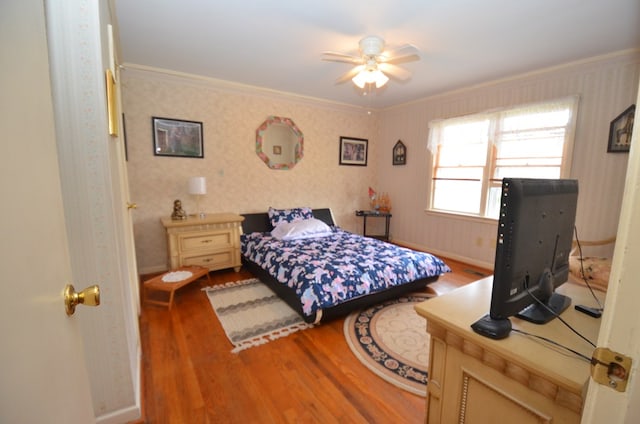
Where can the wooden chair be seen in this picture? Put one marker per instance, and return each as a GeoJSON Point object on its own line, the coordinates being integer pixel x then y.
{"type": "Point", "coordinates": [596, 269]}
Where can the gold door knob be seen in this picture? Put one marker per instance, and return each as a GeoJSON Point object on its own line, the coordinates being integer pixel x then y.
{"type": "Point", "coordinates": [132, 205]}
{"type": "Point", "coordinates": [89, 296]}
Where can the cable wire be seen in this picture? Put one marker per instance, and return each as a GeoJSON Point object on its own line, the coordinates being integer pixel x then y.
{"type": "Point", "coordinates": [575, 352]}
{"type": "Point", "coordinates": [582, 273]}
{"type": "Point", "coordinates": [540, 302]}
{"type": "Point", "coordinates": [559, 317]}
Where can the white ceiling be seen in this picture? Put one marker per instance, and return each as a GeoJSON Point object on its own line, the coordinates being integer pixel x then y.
{"type": "Point", "coordinates": [278, 44]}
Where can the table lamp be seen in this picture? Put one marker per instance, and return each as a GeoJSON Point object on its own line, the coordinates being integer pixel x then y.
{"type": "Point", "coordinates": [198, 188]}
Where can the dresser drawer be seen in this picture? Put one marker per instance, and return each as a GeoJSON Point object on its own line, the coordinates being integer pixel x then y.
{"type": "Point", "coordinates": [217, 260]}
{"type": "Point", "coordinates": [212, 240]}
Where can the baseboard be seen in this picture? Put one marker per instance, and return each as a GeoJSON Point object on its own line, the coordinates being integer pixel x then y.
{"type": "Point", "coordinates": [156, 269]}
{"type": "Point", "coordinates": [140, 390]}
{"type": "Point", "coordinates": [450, 255]}
{"type": "Point", "coordinates": [131, 414]}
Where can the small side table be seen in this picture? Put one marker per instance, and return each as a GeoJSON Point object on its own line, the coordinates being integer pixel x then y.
{"type": "Point", "coordinates": [375, 214]}
{"type": "Point", "coordinates": [157, 284]}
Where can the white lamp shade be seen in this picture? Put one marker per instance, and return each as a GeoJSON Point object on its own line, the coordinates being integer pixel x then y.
{"type": "Point", "coordinates": [197, 185]}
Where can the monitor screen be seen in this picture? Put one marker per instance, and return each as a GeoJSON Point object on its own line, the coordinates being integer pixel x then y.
{"type": "Point", "coordinates": [535, 231]}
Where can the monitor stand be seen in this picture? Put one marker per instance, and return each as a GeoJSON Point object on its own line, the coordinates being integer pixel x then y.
{"type": "Point", "coordinates": [493, 328]}
{"type": "Point", "coordinates": [540, 314]}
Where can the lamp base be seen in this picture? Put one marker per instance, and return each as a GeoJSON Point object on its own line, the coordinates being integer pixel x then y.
{"type": "Point", "coordinates": [200, 214]}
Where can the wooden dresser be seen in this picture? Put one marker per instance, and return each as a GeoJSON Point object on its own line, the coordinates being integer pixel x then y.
{"type": "Point", "coordinates": [474, 379]}
{"type": "Point", "coordinates": [212, 241]}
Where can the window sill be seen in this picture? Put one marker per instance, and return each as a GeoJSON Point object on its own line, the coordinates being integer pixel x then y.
{"type": "Point", "coordinates": [461, 216]}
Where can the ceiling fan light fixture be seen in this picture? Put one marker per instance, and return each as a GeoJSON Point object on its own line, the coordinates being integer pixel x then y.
{"type": "Point", "coordinates": [381, 78]}
{"type": "Point", "coordinates": [370, 76]}
{"type": "Point", "coordinates": [360, 79]}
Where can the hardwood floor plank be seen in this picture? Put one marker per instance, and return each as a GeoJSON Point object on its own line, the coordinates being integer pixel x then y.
{"type": "Point", "coordinates": [191, 376]}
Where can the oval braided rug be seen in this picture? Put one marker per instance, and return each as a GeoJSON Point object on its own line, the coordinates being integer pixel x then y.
{"type": "Point", "coordinates": [392, 341]}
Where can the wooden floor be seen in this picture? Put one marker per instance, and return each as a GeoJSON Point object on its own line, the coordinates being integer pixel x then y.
{"type": "Point", "coordinates": [191, 376]}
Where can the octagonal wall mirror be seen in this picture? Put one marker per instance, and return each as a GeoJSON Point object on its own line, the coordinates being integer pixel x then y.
{"type": "Point", "coordinates": [279, 143]}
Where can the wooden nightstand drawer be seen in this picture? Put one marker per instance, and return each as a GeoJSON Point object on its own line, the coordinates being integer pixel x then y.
{"type": "Point", "coordinates": [207, 241]}
{"type": "Point", "coordinates": [217, 260]}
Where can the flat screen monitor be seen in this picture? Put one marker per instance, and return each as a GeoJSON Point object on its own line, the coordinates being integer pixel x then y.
{"type": "Point", "coordinates": [535, 231]}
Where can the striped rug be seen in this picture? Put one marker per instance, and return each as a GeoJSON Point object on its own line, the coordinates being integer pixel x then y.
{"type": "Point", "coordinates": [251, 314]}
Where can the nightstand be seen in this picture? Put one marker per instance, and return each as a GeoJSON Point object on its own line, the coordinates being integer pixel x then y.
{"type": "Point", "coordinates": [212, 242]}
{"type": "Point", "coordinates": [375, 214]}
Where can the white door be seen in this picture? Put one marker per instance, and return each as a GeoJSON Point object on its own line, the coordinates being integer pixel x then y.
{"type": "Point", "coordinates": [621, 319]}
{"type": "Point", "coordinates": [42, 365]}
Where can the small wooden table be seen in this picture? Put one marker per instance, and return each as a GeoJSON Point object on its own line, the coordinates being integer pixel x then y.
{"type": "Point", "coordinates": [158, 284]}
{"type": "Point", "coordinates": [375, 214]}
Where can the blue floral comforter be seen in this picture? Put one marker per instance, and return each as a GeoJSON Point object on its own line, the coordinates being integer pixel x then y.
{"type": "Point", "coordinates": [326, 271]}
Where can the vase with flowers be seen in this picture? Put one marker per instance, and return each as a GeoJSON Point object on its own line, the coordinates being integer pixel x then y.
{"type": "Point", "coordinates": [373, 200]}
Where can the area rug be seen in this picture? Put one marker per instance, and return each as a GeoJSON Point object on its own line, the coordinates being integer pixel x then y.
{"type": "Point", "coordinates": [392, 341]}
{"type": "Point", "coordinates": [251, 314]}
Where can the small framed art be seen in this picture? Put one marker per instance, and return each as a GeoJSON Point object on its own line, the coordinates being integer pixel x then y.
{"type": "Point", "coordinates": [176, 137]}
{"type": "Point", "coordinates": [353, 151]}
{"type": "Point", "coordinates": [399, 153]}
{"type": "Point", "coordinates": [620, 131]}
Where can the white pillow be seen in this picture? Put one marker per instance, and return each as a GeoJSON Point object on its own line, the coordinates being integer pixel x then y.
{"type": "Point", "coordinates": [308, 228]}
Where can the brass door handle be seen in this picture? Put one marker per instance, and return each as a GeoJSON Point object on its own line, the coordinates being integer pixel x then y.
{"type": "Point", "coordinates": [89, 296]}
{"type": "Point", "coordinates": [132, 205]}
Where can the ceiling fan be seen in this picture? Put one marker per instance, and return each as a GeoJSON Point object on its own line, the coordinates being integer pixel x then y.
{"type": "Point", "coordinates": [374, 63]}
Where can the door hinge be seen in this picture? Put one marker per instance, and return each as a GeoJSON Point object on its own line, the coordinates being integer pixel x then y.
{"type": "Point", "coordinates": [610, 368]}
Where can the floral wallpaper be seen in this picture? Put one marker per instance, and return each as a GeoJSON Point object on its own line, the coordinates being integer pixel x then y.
{"type": "Point", "coordinates": [238, 180]}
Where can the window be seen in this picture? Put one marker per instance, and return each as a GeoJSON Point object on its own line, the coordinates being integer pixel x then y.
{"type": "Point", "coordinates": [472, 154]}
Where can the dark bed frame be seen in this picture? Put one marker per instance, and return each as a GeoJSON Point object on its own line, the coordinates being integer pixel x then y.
{"type": "Point", "coordinates": [259, 222]}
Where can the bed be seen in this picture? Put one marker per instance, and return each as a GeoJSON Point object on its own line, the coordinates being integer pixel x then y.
{"type": "Point", "coordinates": [324, 272]}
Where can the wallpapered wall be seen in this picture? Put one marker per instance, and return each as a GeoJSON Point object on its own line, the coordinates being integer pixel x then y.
{"type": "Point", "coordinates": [237, 180]}
{"type": "Point", "coordinates": [606, 85]}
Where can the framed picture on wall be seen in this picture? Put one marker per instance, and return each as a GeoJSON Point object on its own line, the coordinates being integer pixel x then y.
{"type": "Point", "coordinates": [353, 151]}
{"type": "Point", "coordinates": [620, 131]}
{"type": "Point", "coordinates": [399, 153]}
{"type": "Point", "coordinates": [176, 137]}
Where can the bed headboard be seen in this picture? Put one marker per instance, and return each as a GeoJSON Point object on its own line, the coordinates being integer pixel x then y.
{"type": "Point", "coordinates": [259, 222]}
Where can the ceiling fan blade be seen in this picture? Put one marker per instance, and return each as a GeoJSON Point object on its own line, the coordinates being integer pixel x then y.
{"type": "Point", "coordinates": [400, 59]}
{"type": "Point", "coordinates": [352, 73]}
{"type": "Point", "coordinates": [403, 54]}
{"type": "Point", "coordinates": [394, 71]}
{"type": "Point", "coordinates": [341, 57]}
{"type": "Point", "coordinates": [404, 50]}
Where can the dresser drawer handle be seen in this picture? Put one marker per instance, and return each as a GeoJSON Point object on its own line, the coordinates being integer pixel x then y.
{"type": "Point", "coordinates": [207, 260]}
{"type": "Point", "coordinates": [206, 241]}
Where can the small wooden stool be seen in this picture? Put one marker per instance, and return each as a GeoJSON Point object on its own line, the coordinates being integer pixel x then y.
{"type": "Point", "coordinates": [158, 284]}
